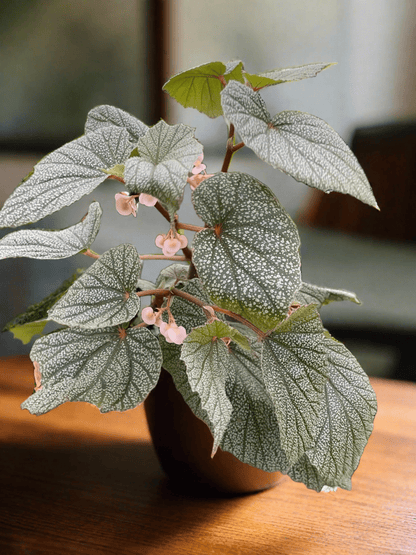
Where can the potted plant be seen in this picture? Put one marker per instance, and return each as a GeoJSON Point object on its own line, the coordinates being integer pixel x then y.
{"type": "Point", "coordinates": [236, 330]}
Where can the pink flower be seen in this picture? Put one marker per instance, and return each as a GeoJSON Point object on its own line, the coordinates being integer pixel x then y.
{"type": "Point", "coordinates": [37, 375]}
{"type": "Point", "coordinates": [149, 316]}
{"type": "Point", "coordinates": [126, 204]}
{"type": "Point", "coordinates": [195, 180]}
{"type": "Point", "coordinates": [147, 200]}
{"type": "Point", "coordinates": [171, 242]}
{"type": "Point", "coordinates": [173, 333]}
{"type": "Point", "coordinates": [198, 166]}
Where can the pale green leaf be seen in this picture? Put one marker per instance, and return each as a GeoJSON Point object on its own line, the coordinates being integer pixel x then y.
{"type": "Point", "coordinates": [207, 368]}
{"type": "Point", "coordinates": [39, 311]}
{"type": "Point", "coordinates": [299, 144]}
{"type": "Point", "coordinates": [294, 362]}
{"type": "Point", "coordinates": [171, 275]}
{"type": "Point", "coordinates": [38, 243]}
{"type": "Point", "coordinates": [200, 87]}
{"type": "Point", "coordinates": [105, 115]}
{"type": "Point", "coordinates": [346, 418]}
{"type": "Point", "coordinates": [145, 285]}
{"type": "Point", "coordinates": [252, 434]}
{"type": "Point", "coordinates": [111, 368]}
{"type": "Point", "coordinates": [66, 175]}
{"type": "Point", "coordinates": [285, 75]}
{"type": "Point", "coordinates": [248, 258]}
{"type": "Point", "coordinates": [167, 155]}
{"type": "Point", "coordinates": [27, 331]}
{"type": "Point", "coordinates": [308, 293]}
{"type": "Point", "coordinates": [218, 329]}
{"type": "Point", "coordinates": [105, 294]}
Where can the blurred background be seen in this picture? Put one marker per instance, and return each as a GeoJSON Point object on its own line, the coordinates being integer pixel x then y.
{"type": "Point", "coordinates": [59, 59]}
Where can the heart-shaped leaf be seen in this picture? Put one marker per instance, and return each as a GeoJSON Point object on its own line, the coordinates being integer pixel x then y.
{"type": "Point", "coordinates": [66, 175]}
{"type": "Point", "coordinates": [37, 243]}
{"type": "Point", "coordinates": [112, 368]}
{"type": "Point", "coordinates": [200, 87]}
{"type": "Point", "coordinates": [346, 418]}
{"type": "Point", "coordinates": [285, 75]}
{"type": "Point", "coordinates": [252, 434]}
{"type": "Point", "coordinates": [105, 294]}
{"type": "Point", "coordinates": [104, 116]}
{"type": "Point", "coordinates": [299, 144]}
{"type": "Point", "coordinates": [207, 368]}
{"type": "Point", "coordinates": [171, 275]}
{"type": "Point", "coordinates": [309, 293]}
{"type": "Point", "coordinates": [294, 362]}
{"type": "Point", "coordinates": [248, 258]}
{"type": "Point", "coordinates": [167, 155]}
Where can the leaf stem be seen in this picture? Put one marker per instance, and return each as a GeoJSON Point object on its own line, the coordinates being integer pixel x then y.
{"type": "Point", "coordinates": [162, 257]}
{"type": "Point", "coordinates": [91, 254]}
{"type": "Point", "coordinates": [189, 227]}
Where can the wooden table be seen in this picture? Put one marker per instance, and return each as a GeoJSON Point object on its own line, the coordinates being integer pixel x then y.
{"type": "Point", "coordinates": [75, 481]}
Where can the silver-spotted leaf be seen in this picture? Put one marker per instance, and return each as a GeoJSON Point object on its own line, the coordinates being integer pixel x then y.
{"type": "Point", "coordinates": [38, 243]}
{"type": "Point", "coordinates": [167, 154]}
{"type": "Point", "coordinates": [207, 368]}
{"type": "Point", "coordinates": [345, 420]}
{"type": "Point", "coordinates": [219, 329]}
{"type": "Point", "coordinates": [66, 175]}
{"type": "Point", "coordinates": [299, 144]}
{"type": "Point", "coordinates": [248, 258]}
{"type": "Point", "coordinates": [294, 363]}
{"type": "Point", "coordinates": [200, 87]}
{"type": "Point", "coordinates": [105, 294]}
{"type": "Point", "coordinates": [252, 434]}
{"type": "Point", "coordinates": [171, 275]}
{"type": "Point", "coordinates": [112, 368]}
{"type": "Point", "coordinates": [285, 75]}
{"type": "Point", "coordinates": [308, 293]}
{"type": "Point", "coordinates": [105, 115]}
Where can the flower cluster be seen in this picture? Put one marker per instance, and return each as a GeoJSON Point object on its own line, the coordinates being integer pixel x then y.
{"type": "Point", "coordinates": [197, 176]}
{"type": "Point", "coordinates": [171, 242]}
{"type": "Point", "coordinates": [171, 331]}
{"type": "Point", "coordinates": [126, 204]}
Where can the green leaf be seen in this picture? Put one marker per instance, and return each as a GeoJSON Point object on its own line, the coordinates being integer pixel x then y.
{"type": "Point", "coordinates": [285, 75]}
{"type": "Point", "coordinates": [105, 294]}
{"type": "Point", "coordinates": [309, 293]}
{"type": "Point", "coordinates": [27, 331]}
{"type": "Point", "coordinates": [171, 275]}
{"type": "Point", "coordinates": [39, 311]}
{"type": "Point", "coordinates": [299, 144]}
{"type": "Point", "coordinates": [252, 434]}
{"type": "Point", "coordinates": [218, 330]}
{"type": "Point", "coordinates": [66, 175]}
{"type": "Point", "coordinates": [294, 362]}
{"type": "Point", "coordinates": [145, 285]}
{"type": "Point", "coordinates": [105, 116]}
{"type": "Point", "coordinates": [303, 471]}
{"type": "Point", "coordinates": [167, 154]}
{"type": "Point", "coordinates": [207, 368]}
{"type": "Point", "coordinates": [200, 87]}
{"type": "Point", "coordinates": [111, 368]}
{"type": "Point", "coordinates": [37, 243]}
{"type": "Point", "coordinates": [346, 418]}
{"type": "Point", "coordinates": [248, 259]}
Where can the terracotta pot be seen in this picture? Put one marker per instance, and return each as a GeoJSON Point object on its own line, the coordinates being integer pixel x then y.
{"type": "Point", "coordinates": [183, 444]}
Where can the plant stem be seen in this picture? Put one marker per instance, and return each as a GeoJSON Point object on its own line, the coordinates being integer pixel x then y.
{"type": "Point", "coordinates": [151, 292]}
{"type": "Point", "coordinates": [189, 227]}
{"type": "Point", "coordinates": [91, 254]}
{"type": "Point", "coordinates": [231, 148]}
{"type": "Point", "coordinates": [162, 257]}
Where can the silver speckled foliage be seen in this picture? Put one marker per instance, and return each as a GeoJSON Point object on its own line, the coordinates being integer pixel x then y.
{"type": "Point", "coordinates": [230, 318]}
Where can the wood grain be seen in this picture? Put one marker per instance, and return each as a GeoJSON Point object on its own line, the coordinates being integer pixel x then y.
{"type": "Point", "coordinates": [76, 481]}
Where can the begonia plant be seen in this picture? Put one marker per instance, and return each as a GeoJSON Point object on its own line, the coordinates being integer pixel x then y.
{"type": "Point", "coordinates": [229, 317]}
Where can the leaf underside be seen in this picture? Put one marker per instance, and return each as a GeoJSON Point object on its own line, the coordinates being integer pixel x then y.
{"type": "Point", "coordinates": [285, 75]}
{"type": "Point", "coordinates": [321, 296]}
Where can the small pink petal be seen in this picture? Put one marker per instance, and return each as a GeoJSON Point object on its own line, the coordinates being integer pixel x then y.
{"type": "Point", "coordinates": [199, 168]}
{"type": "Point", "coordinates": [177, 334]}
{"type": "Point", "coordinates": [183, 241]}
{"type": "Point", "coordinates": [148, 316]}
{"type": "Point", "coordinates": [37, 375]}
{"type": "Point", "coordinates": [147, 200]}
{"type": "Point", "coordinates": [171, 246]}
{"type": "Point", "coordinates": [160, 239]}
{"type": "Point", "coordinates": [125, 205]}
